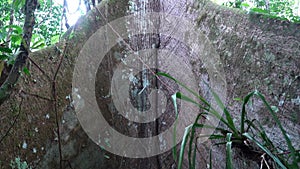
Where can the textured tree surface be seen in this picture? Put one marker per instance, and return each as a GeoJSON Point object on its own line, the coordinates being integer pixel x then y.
{"type": "Point", "coordinates": [256, 53]}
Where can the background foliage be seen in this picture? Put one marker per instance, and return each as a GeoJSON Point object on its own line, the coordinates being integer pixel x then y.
{"type": "Point", "coordinates": [280, 9]}
{"type": "Point", "coordinates": [46, 30]}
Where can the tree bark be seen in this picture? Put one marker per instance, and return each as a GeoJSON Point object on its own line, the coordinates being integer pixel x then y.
{"type": "Point", "coordinates": [255, 52]}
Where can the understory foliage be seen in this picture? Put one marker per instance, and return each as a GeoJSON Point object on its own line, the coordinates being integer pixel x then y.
{"type": "Point", "coordinates": [280, 9]}
{"type": "Point", "coordinates": [248, 135]}
{"type": "Point", "coordinates": [46, 29]}
{"type": "Point", "coordinates": [51, 21]}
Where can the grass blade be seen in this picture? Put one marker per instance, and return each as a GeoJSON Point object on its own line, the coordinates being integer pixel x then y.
{"type": "Point", "coordinates": [215, 137]}
{"type": "Point", "coordinates": [191, 148]}
{"type": "Point", "coordinates": [229, 118]}
{"type": "Point", "coordinates": [287, 139]}
{"type": "Point", "coordinates": [228, 151]}
{"type": "Point", "coordinates": [209, 110]}
{"type": "Point", "coordinates": [183, 144]}
{"type": "Point", "coordinates": [184, 86]}
{"type": "Point", "coordinates": [261, 132]}
{"type": "Point", "coordinates": [246, 100]}
{"type": "Point", "coordinates": [185, 98]}
{"type": "Point", "coordinates": [192, 159]}
{"type": "Point", "coordinates": [210, 158]}
{"type": "Point", "coordinates": [265, 149]}
{"type": "Point", "coordinates": [174, 152]}
{"type": "Point", "coordinates": [210, 153]}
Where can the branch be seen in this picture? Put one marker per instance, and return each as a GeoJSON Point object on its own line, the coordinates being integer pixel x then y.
{"type": "Point", "coordinates": [7, 87]}
{"type": "Point", "coordinates": [54, 95]}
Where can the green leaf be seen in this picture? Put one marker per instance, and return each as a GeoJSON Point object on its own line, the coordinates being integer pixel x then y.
{"type": "Point", "coordinates": [243, 114]}
{"type": "Point", "coordinates": [3, 35]}
{"type": "Point", "coordinates": [265, 149]}
{"type": "Point", "coordinates": [26, 71]}
{"type": "Point", "coordinates": [3, 57]}
{"type": "Point", "coordinates": [185, 87]}
{"type": "Point", "coordinates": [174, 135]}
{"type": "Point", "coordinates": [72, 34]}
{"type": "Point", "coordinates": [185, 98]}
{"type": "Point", "coordinates": [209, 109]}
{"type": "Point", "coordinates": [194, 156]}
{"type": "Point", "coordinates": [16, 39]}
{"type": "Point", "coordinates": [244, 4]}
{"type": "Point", "coordinates": [18, 4]}
{"type": "Point", "coordinates": [6, 50]}
{"type": "Point", "coordinates": [215, 136]}
{"type": "Point", "coordinates": [229, 151]}
{"type": "Point", "coordinates": [38, 44]}
{"type": "Point", "coordinates": [229, 118]}
{"type": "Point", "coordinates": [258, 10]}
{"type": "Point", "coordinates": [183, 144]}
{"type": "Point", "coordinates": [287, 139]}
{"type": "Point", "coordinates": [238, 99]}
{"type": "Point", "coordinates": [55, 39]}
{"type": "Point", "coordinates": [210, 158]}
{"type": "Point", "coordinates": [192, 160]}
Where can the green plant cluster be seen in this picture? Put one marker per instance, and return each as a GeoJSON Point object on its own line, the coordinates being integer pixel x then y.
{"type": "Point", "coordinates": [46, 30]}
{"type": "Point", "coordinates": [18, 164]}
{"type": "Point", "coordinates": [280, 9]}
{"type": "Point", "coordinates": [249, 133]}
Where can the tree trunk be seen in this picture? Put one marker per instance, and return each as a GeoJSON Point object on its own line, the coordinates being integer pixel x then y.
{"type": "Point", "coordinates": [254, 53]}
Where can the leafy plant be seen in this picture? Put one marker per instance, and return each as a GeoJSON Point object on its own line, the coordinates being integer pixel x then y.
{"type": "Point", "coordinates": [280, 9]}
{"type": "Point", "coordinates": [10, 38]}
{"type": "Point", "coordinates": [46, 31]}
{"type": "Point", "coordinates": [48, 22]}
{"type": "Point", "coordinates": [18, 164]}
{"type": "Point", "coordinates": [232, 135]}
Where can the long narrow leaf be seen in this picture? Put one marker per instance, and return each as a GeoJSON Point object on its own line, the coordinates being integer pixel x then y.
{"type": "Point", "coordinates": [174, 135]}
{"type": "Point", "coordinates": [263, 135]}
{"type": "Point", "coordinates": [222, 130]}
{"type": "Point", "coordinates": [246, 100]}
{"type": "Point", "coordinates": [210, 158]}
{"type": "Point", "coordinates": [287, 139]}
{"type": "Point", "coordinates": [210, 153]}
{"type": "Point", "coordinates": [183, 144]}
{"type": "Point", "coordinates": [194, 156]}
{"type": "Point", "coordinates": [192, 159]}
{"type": "Point", "coordinates": [173, 97]}
{"type": "Point", "coordinates": [229, 118]}
{"type": "Point", "coordinates": [215, 137]}
{"type": "Point", "coordinates": [184, 86]}
{"type": "Point", "coordinates": [209, 110]}
{"type": "Point", "coordinates": [185, 98]}
{"type": "Point", "coordinates": [228, 123]}
{"type": "Point", "coordinates": [228, 151]}
{"type": "Point", "coordinates": [191, 148]}
{"type": "Point", "coordinates": [265, 149]}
